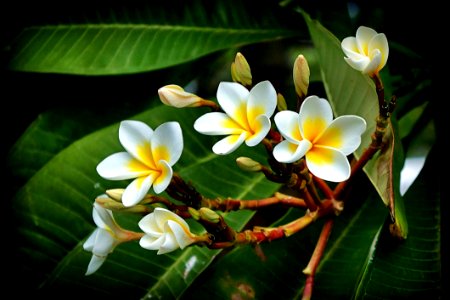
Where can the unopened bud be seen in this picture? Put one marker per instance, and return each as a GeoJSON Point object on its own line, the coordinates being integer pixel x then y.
{"type": "Point", "coordinates": [115, 194]}
{"type": "Point", "coordinates": [209, 215]}
{"type": "Point", "coordinates": [248, 164]}
{"type": "Point", "coordinates": [194, 213]}
{"type": "Point", "coordinates": [113, 205]}
{"type": "Point", "coordinates": [176, 96]}
{"type": "Point", "coordinates": [301, 76]}
{"type": "Point", "coordinates": [281, 102]}
{"type": "Point", "coordinates": [240, 70]}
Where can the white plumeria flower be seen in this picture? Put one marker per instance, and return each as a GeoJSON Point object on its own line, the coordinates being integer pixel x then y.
{"type": "Point", "coordinates": [324, 142]}
{"type": "Point", "coordinates": [246, 115]}
{"type": "Point", "coordinates": [367, 52]}
{"type": "Point", "coordinates": [149, 158]}
{"type": "Point", "coordinates": [105, 237]}
{"type": "Point", "coordinates": [165, 231]}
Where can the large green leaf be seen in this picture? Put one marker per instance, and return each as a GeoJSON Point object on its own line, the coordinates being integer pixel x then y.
{"type": "Point", "coordinates": [351, 92]}
{"type": "Point", "coordinates": [145, 38]}
{"type": "Point", "coordinates": [53, 211]}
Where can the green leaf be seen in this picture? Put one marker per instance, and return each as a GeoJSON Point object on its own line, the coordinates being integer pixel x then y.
{"type": "Point", "coordinates": [351, 92]}
{"type": "Point", "coordinates": [146, 39]}
{"type": "Point", "coordinates": [53, 212]}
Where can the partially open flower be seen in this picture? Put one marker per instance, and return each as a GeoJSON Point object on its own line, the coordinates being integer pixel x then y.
{"type": "Point", "coordinates": [105, 237]}
{"type": "Point", "coordinates": [165, 231]}
{"type": "Point", "coordinates": [246, 115]}
{"type": "Point", "coordinates": [176, 96]}
{"type": "Point", "coordinates": [324, 142]}
{"type": "Point", "coordinates": [367, 52]}
{"type": "Point", "coordinates": [149, 158]}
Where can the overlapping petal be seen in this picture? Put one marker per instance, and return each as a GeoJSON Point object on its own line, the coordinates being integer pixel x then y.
{"type": "Point", "coordinates": [149, 158]}
{"type": "Point", "coordinates": [367, 52]}
{"type": "Point", "coordinates": [229, 144]}
{"type": "Point", "coordinates": [324, 142]}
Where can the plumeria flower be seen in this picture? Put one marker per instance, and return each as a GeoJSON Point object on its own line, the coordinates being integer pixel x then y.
{"type": "Point", "coordinates": [165, 231]}
{"type": "Point", "coordinates": [149, 158]}
{"type": "Point", "coordinates": [105, 237]}
{"type": "Point", "coordinates": [324, 142]}
{"type": "Point", "coordinates": [246, 115]}
{"type": "Point", "coordinates": [367, 52]}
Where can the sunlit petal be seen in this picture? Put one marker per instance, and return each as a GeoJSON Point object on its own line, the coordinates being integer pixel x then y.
{"type": "Point", "coordinates": [288, 125]}
{"type": "Point", "coordinates": [167, 143]}
{"type": "Point", "coordinates": [95, 263]}
{"type": "Point", "coordinates": [374, 64]}
{"type": "Point", "coordinates": [182, 236]}
{"type": "Point", "coordinates": [315, 116]}
{"type": "Point", "coordinates": [120, 166]}
{"type": "Point", "coordinates": [231, 97]}
{"type": "Point", "coordinates": [134, 137]}
{"type": "Point", "coordinates": [229, 144]}
{"type": "Point", "coordinates": [328, 164]}
{"type": "Point", "coordinates": [137, 189]}
{"type": "Point", "coordinates": [261, 101]}
{"type": "Point", "coordinates": [344, 134]}
{"type": "Point", "coordinates": [261, 127]}
{"type": "Point", "coordinates": [287, 152]}
{"type": "Point", "coordinates": [380, 42]}
{"type": "Point", "coordinates": [363, 36]}
{"type": "Point", "coordinates": [151, 243]}
{"type": "Point", "coordinates": [350, 47]}
{"type": "Point", "coordinates": [163, 180]}
{"type": "Point", "coordinates": [217, 123]}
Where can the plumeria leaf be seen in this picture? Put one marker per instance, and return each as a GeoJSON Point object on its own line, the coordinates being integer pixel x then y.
{"type": "Point", "coordinates": [144, 37]}
{"type": "Point", "coordinates": [351, 92]}
{"type": "Point", "coordinates": [54, 213]}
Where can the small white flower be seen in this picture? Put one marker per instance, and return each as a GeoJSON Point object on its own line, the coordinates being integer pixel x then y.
{"type": "Point", "coordinates": [367, 52]}
{"type": "Point", "coordinates": [246, 118]}
{"type": "Point", "coordinates": [165, 231]}
{"type": "Point", "coordinates": [149, 158]}
{"type": "Point", "coordinates": [105, 237]}
{"type": "Point", "coordinates": [324, 142]}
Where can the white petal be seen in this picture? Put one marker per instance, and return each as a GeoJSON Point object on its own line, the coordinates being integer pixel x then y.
{"type": "Point", "coordinates": [137, 190]}
{"type": "Point", "coordinates": [315, 116]}
{"type": "Point", "coordinates": [135, 138]}
{"type": "Point", "coordinates": [163, 215]}
{"type": "Point", "coordinates": [229, 144]}
{"type": "Point", "coordinates": [167, 143]}
{"type": "Point", "coordinates": [344, 134]}
{"type": "Point", "coordinates": [170, 243]}
{"type": "Point", "coordinates": [104, 243]}
{"type": "Point", "coordinates": [380, 42]}
{"type": "Point", "coordinates": [120, 166]}
{"type": "Point", "coordinates": [151, 243]}
{"type": "Point", "coordinates": [328, 164]}
{"type": "Point", "coordinates": [95, 263]}
{"type": "Point", "coordinates": [358, 65]}
{"type": "Point", "coordinates": [164, 178]}
{"type": "Point", "coordinates": [149, 225]}
{"type": "Point", "coordinates": [231, 96]}
{"type": "Point", "coordinates": [182, 236]}
{"type": "Point", "coordinates": [374, 64]}
{"type": "Point", "coordinates": [261, 127]}
{"type": "Point", "coordinates": [287, 152]}
{"type": "Point", "coordinates": [261, 101]}
{"type": "Point", "coordinates": [217, 123]}
{"type": "Point", "coordinates": [90, 242]}
{"type": "Point", "coordinates": [103, 218]}
{"type": "Point", "coordinates": [288, 125]}
{"type": "Point", "coordinates": [350, 48]}
{"type": "Point", "coordinates": [363, 36]}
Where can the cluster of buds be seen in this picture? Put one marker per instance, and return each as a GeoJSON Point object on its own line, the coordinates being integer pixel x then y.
{"type": "Point", "coordinates": [305, 148]}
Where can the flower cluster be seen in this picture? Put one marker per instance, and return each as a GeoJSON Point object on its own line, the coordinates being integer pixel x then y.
{"type": "Point", "coordinates": [299, 143]}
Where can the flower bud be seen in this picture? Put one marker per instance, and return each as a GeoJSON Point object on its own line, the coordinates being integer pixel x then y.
{"type": "Point", "coordinates": [176, 96]}
{"type": "Point", "coordinates": [240, 70]}
{"type": "Point", "coordinates": [301, 76]}
{"type": "Point", "coordinates": [281, 102]}
{"type": "Point", "coordinates": [115, 194]}
{"type": "Point", "coordinates": [209, 215]}
{"type": "Point", "coordinates": [248, 164]}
